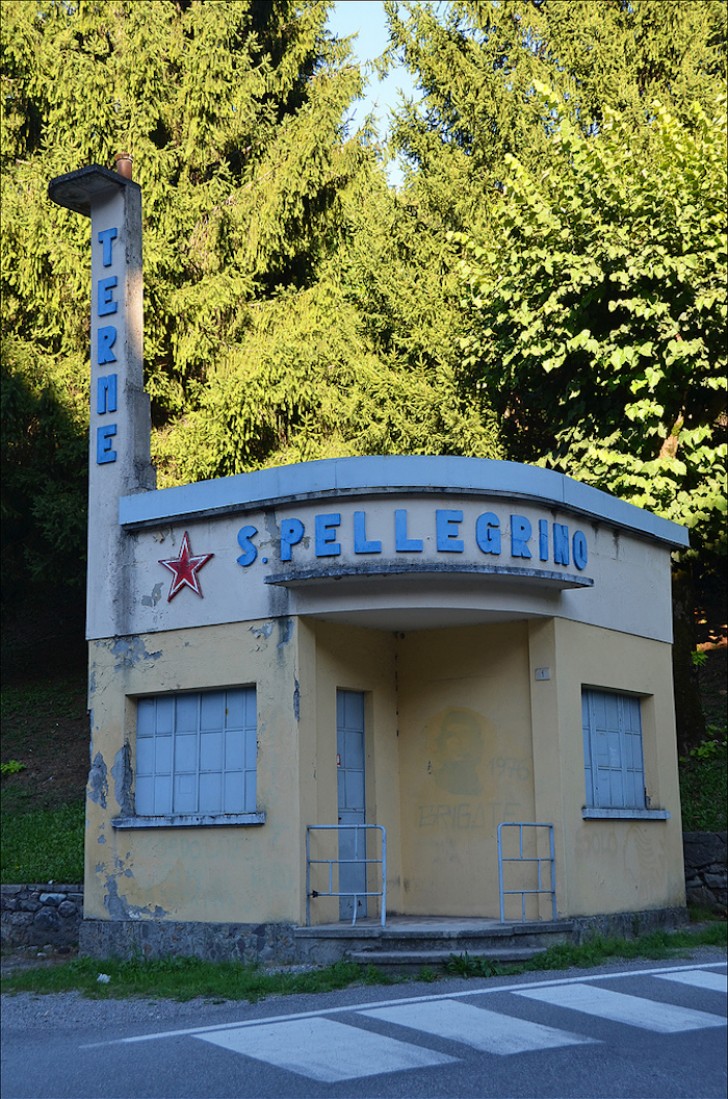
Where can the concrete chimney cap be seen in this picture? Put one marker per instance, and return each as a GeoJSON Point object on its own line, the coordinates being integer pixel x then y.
{"type": "Point", "coordinates": [77, 190]}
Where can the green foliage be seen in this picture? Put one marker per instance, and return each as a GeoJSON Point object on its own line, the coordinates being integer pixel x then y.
{"type": "Point", "coordinates": [233, 114]}
{"type": "Point", "coordinates": [43, 845]}
{"type": "Point", "coordinates": [704, 787]}
{"type": "Point", "coordinates": [467, 965]}
{"type": "Point", "coordinates": [362, 362]}
{"type": "Point", "coordinates": [576, 150]}
{"type": "Point", "coordinates": [293, 309]}
{"type": "Point", "coordinates": [11, 767]}
{"type": "Point", "coordinates": [598, 311]}
{"type": "Point", "coordinates": [39, 702]}
{"type": "Point", "coordinates": [477, 64]}
{"type": "Point", "coordinates": [427, 974]}
{"type": "Point", "coordinates": [595, 951]}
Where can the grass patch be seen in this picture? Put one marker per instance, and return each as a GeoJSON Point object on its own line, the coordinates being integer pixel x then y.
{"type": "Point", "coordinates": [185, 979]}
{"type": "Point", "coordinates": [47, 701]}
{"type": "Point", "coordinates": [42, 703]}
{"type": "Point", "coordinates": [657, 945]}
{"type": "Point", "coordinates": [190, 978]}
{"type": "Point", "coordinates": [699, 913]}
{"type": "Point", "coordinates": [42, 845]}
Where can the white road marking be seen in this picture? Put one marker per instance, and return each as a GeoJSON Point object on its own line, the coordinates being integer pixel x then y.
{"type": "Point", "coordinates": [558, 982]}
{"type": "Point", "coordinates": [325, 1050]}
{"type": "Point", "coordinates": [699, 978]}
{"type": "Point", "coordinates": [633, 1010]}
{"type": "Point", "coordinates": [487, 1031]}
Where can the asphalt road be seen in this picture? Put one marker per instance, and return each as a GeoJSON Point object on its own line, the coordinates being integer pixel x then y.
{"type": "Point", "coordinates": [641, 1031]}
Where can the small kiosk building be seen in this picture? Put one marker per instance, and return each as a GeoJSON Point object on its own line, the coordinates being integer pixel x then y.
{"type": "Point", "coordinates": [427, 686]}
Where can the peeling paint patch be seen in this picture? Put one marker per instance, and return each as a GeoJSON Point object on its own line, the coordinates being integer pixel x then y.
{"type": "Point", "coordinates": [119, 909]}
{"type": "Point", "coordinates": [285, 631]}
{"type": "Point", "coordinates": [153, 599]}
{"type": "Point", "coordinates": [121, 774]}
{"type": "Point", "coordinates": [114, 904]}
{"type": "Point", "coordinates": [262, 632]}
{"type": "Point", "coordinates": [101, 839]}
{"type": "Point", "coordinates": [98, 783]}
{"type": "Point", "coordinates": [130, 652]}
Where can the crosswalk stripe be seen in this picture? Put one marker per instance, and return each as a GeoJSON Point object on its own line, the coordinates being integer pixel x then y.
{"type": "Point", "coordinates": [699, 978]}
{"type": "Point", "coordinates": [487, 1031]}
{"type": "Point", "coordinates": [475, 993]}
{"type": "Point", "coordinates": [324, 1050]}
{"type": "Point", "coordinates": [621, 1008]}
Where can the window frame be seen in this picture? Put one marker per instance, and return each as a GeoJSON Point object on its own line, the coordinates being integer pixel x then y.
{"type": "Point", "coordinates": [629, 734]}
{"type": "Point", "coordinates": [191, 746]}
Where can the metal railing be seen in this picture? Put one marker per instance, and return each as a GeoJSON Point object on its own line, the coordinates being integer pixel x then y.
{"type": "Point", "coordinates": [522, 859]}
{"type": "Point", "coordinates": [337, 861]}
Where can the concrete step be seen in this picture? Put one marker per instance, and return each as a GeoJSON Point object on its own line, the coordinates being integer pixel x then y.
{"type": "Point", "coordinates": [410, 961]}
{"type": "Point", "coordinates": [429, 939]}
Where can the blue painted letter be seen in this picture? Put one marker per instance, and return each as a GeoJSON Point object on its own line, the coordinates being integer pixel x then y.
{"type": "Point", "coordinates": [579, 549]}
{"type": "Point", "coordinates": [106, 340]}
{"type": "Point", "coordinates": [104, 443]}
{"type": "Point", "coordinates": [487, 532]}
{"type": "Point", "coordinates": [561, 544]}
{"type": "Point", "coordinates": [326, 544]}
{"type": "Point", "coordinates": [402, 543]}
{"type": "Point", "coordinates": [520, 535]}
{"type": "Point", "coordinates": [106, 303]}
{"type": "Point", "coordinates": [245, 541]}
{"type": "Point", "coordinates": [446, 527]}
{"type": "Point", "coordinates": [292, 531]}
{"type": "Point", "coordinates": [361, 544]}
{"type": "Point", "coordinates": [543, 540]}
{"type": "Point", "coordinates": [106, 394]}
{"type": "Point", "coordinates": [106, 236]}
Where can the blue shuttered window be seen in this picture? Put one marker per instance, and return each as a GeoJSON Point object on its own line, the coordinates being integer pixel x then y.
{"type": "Point", "coordinates": [613, 764]}
{"type": "Point", "coordinates": [196, 753]}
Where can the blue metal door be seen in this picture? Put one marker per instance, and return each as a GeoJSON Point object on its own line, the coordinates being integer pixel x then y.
{"type": "Point", "coordinates": [351, 798]}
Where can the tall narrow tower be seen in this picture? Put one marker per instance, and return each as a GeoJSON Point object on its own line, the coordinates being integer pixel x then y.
{"type": "Point", "coordinates": [119, 456]}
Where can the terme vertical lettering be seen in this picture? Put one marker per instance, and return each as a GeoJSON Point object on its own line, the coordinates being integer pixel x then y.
{"type": "Point", "coordinates": [106, 305]}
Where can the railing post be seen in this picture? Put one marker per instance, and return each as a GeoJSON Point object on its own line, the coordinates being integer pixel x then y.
{"type": "Point", "coordinates": [383, 908]}
{"type": "Point", "coordinates": [308, 877]}
{"type": "Point", "coordinates": [552, 868]}
{"type": "Point", "coordinates": [501, 892]}
{"type": "Point", "coordinates": [330, 862]}
{"type": "Point", "coordinates": [538, 859]}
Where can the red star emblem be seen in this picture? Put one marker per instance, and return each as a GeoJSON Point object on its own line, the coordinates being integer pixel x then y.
{"type": "Point", "coordinates": [185, 568]}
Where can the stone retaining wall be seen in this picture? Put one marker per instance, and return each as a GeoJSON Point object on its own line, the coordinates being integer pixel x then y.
{"type": "Point", "coordinates": [214, 942]}
{"type": "Point", "coordinates": [41, 915]}
{"type": "Point", "coordinates": [706, 873]}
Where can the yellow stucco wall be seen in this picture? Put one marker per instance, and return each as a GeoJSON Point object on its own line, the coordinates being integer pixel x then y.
{"type": "Point", "coordinates": [465, 749]}
{"type": "Point", "coordinates": [227, 874]}
{"type": "Point", "coordinates": [460, 735]}
{"type": "Point", "coordinates": [605, 865]}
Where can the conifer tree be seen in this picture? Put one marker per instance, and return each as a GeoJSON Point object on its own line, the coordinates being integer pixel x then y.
{"type": "Point", "coordinates": [476, 63]}
{"type": "Point", "coordinates": [261, 344]}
